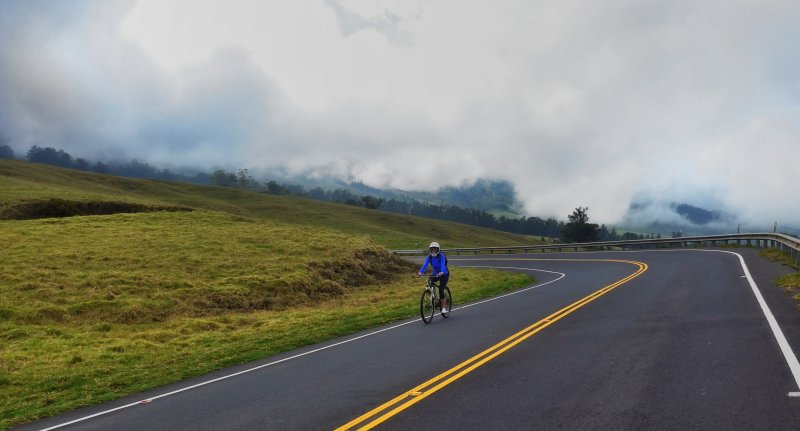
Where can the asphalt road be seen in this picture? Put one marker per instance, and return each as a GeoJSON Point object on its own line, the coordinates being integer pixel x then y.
{"type": "Point", "coordinates": [675, 341]}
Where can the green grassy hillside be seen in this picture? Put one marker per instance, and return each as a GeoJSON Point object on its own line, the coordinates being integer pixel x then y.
{"type": "Point", "coordinates": [20, 181]}
{"type": "Point", "coordinates": [192, 279]}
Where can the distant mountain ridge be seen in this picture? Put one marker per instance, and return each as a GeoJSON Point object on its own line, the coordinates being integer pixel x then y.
{"type": "Point", "coordinates": [496, 197]}
{"type": "Point", "coordinates": [687, 219]}
{"type": "Point", "coordinates": [697, 215]}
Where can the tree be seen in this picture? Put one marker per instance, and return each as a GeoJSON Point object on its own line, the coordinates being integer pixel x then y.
{"type": "Point", "coordinates": [627, 236]}
{"type": "Point", "coordinates": [100, 168]}
{"type": "Point", "coordinates": [578, 229]}
{"type": "Point", "coordinates": [81, 164]}
{"type": "Point", "coordinates": [274, 188]}
{"type": "Point", "coordinates": [6, 152]}
{"type": "Point", "coordinates": [371, 202]}
{"type": "Point", "coordinates": [50, 156]}
{"type": "Point", "coordinates": [243, 179]}
{"type": "Point", "coordinates": [223, 179]}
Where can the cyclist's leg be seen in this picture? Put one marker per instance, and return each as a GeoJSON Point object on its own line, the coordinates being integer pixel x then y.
{"type": "Point", "coordinates": [442, 284]}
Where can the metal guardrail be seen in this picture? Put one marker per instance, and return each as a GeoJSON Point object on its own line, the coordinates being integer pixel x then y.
{"type": "Point", "coordinates": [786, 243]}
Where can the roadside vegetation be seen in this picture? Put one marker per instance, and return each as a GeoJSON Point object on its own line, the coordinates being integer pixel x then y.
{"type": "Point", "coordinates": [791, 281]}
{"type": "Point", "coordinates": [185, 279]}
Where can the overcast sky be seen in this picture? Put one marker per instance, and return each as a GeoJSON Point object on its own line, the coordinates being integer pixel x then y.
{"type": "Point", "coordinates": [575, 102]}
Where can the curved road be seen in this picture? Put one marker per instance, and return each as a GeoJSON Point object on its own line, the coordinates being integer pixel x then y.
{"type": "Point", "coordinates": [612, 340]}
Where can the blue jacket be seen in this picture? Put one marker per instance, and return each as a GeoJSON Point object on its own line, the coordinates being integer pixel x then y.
{"type": "Point", "coordinates": [437, 263]}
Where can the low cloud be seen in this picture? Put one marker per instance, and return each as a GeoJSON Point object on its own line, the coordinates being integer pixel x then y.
{"type": "Point", "coordinates": [574, 103]}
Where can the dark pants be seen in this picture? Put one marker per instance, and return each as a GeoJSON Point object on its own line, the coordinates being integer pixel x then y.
{"type": "Point", "coordinates": [442, 284]}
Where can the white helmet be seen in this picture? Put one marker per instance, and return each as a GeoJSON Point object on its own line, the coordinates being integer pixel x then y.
{"type": "Point", "coordinates": [434, 248]}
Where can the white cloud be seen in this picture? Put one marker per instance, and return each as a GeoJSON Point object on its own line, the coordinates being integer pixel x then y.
{"type": "Point", "coordinates": [576, 103]}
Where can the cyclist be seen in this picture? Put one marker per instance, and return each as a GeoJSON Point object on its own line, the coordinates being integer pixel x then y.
{"type": "Point", "coordinates": [438, 262]}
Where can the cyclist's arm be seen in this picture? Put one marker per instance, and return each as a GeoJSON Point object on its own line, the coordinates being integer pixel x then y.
{"type": "Point", "coordinates": [443, 266]}
{"type": "Point", "coordinates": [425, 265]}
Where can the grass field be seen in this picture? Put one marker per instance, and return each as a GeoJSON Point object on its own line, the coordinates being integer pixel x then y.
{"type": "Point", "coordinates": [20, 181]}
{"type": "Point", "coordinates": [96, 307]}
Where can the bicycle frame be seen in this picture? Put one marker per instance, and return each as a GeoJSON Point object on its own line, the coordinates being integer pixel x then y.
{"type": "Point", "coordinates": [431, 300]}
{"type": "Point", "coordinates": [433, 287]}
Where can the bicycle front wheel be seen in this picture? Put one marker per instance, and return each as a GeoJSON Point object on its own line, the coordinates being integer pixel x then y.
{"type": "Point", "coordinates": [448, 303]}
{"type": "Point", "coordinates": [426, 306]}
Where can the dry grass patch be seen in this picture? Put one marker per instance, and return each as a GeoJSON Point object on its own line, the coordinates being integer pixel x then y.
{"type": "Point", "coordinates": [789, 281]}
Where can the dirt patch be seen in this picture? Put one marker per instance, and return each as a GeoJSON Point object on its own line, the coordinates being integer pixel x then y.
{"type": "Point", "coordinates": [51, 208]}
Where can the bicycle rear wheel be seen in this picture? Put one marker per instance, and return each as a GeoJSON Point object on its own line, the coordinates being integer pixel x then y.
{"type": "Point", "coordinates": [426, 306]}
{"type": "Point", "coordinates": [448, 304]}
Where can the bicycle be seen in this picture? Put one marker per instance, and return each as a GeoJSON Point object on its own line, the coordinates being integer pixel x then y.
{"type": "Point", "coordinates": [429, 302]}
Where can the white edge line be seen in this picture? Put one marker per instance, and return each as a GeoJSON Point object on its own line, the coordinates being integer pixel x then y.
{"type": "Point", "coordinates": [783, 344]}
{"type": "Point", "coordinates": [148, 400]}
{"type": "Point", "coordinates": [791, 359]}
{"type": "Point", "coordinates": [512, 293]}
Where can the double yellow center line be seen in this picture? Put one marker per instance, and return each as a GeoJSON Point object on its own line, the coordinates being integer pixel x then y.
{"type": "Point", "coordinates": [405, 400]}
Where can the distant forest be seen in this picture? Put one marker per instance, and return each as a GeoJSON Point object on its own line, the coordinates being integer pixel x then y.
{"type": "Point", "coordinates": [133, 168]}
{"type": "Point", "coordinates": [241, 179]}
